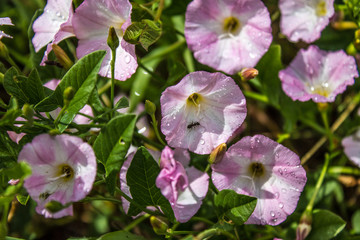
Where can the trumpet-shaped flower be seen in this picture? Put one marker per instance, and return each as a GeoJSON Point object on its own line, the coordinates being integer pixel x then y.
{"type": "Point", "coordinates": [5, 21]}
{"type": "Point", "coordinates": [53, 26]}
{"type": "Point", "coordinates": [63, 170]}
{"type": "Point", "coordinates": [228, 35]}
{"type": "Point", "coordinates": [261, 168]}
{"type": "Point", "coordinates": [184, 187]}
{"type": "Point", "coordinates": [305, 19]}
{"type": "Point", "coordinates": [92, 20]}
{"type": "Point", "coordinates": [202, 111]}
{"type": "Point", "coordinates": [351, 146]}
{"type": "Point", "coordinates": [318, 75]}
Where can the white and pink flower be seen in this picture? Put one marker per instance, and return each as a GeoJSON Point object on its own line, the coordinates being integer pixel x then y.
{"type": "Point", "coordinates": [63, 170]}
{"type": "Point", "coordinates": [53, 26]}
{"type": "Point", "coordinates": [259, 167]}
{"type": "Point", "coordinates": [5, 21]}
{"type": "Point", "coordinates": [92, 20]}
{"type": "Point", "coordinates": [305, 19]}
{"type": "Point", "coordinates": [202, 111]}
{"type": "Point", "coordinates": [228, 35]}
{"type": "Point", "coordinates": [318, 75]}
{"type": "Point", "coordinates": [351, 146]}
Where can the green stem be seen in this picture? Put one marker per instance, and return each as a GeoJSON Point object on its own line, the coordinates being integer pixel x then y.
{"type": "Point", "coordinates": [147, 140]}
{"type": "Point", "coordinates": [34, 123]}
{"type": "Point", "coordinates": [183, 232]}
{"type": "Point", "coordinates": [327, 128]}
{"type": "Point", "coordinates": [61, 113]}
{"type": "Point", "coordinates": [112, 63]}
{"type": "Point", "coordinates": [136, 222]}
{"type": "Point", "coordinates": [164, 52]}
{"type": "Point", "coordinates": [205, 220]}
{"type": "Point", "coordinates": [156, 129]}
{"type": "Point", "coordinates": [256, 96]}
{"type": "Point", "coordinates": [104, 88]}
{"type": "Point", "coordinates": [159, 10]}
{"type": "Point", "coordinates": [3, 227]}
{"type": "Point", "coordinates": [310, 206]}
{"type": "Point", "coordinates": [344, 170]}
{"type": "Point", "coordinates": [313, 125]}
{"type": "Point", "coordinates": [344, 115]}
{"type": "Point", "coordinates": [89, 199]}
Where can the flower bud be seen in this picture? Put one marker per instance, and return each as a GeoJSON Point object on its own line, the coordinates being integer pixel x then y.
{"type": "Point", "coordinates": [247, 74]}
{"type": "Point", "coordinates": [54, 206]}
{"type": "Point", "coordinates": [69, 93]}
{"type": "Point", "coordinates": [62, 57]}
{"type": "Point", "coordinates": [217, 154]}
{"type": "Point", "coordinates": [150, 107]}
{"type": "Point", "coordinates": [4, 52]}
{"type": "Point", "coordinates": [159, 226]}
{"type": "Point", "coordinates": [28, 112]}
{"type": "Point", "coordinates": [112, 40]}
{"type": "Point", "coordinates": [13, 182]}
{"type": "Point", "coordinates": [304, 227]}
{"type": "Point", "coordinates": [322, 106]}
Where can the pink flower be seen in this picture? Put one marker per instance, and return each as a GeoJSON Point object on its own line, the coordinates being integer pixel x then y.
{"type": "Point", "coordinates": [63, 170]}
{"type": "Point", "coordinates": [228, 35]}
{"type": "Point", "coordinates": [305, 19]}
{"type": "Point", "coordinates": [259, 167]}
{"type": "Point", "coordinates": [5, 21]}
{"type": "Point", "coordinates": [92, 20]}
{"type": "Point", "coordinates": [53, 26]}
{"type": "Point", "coordinates": [185, 188]}
{"type": "Point", "coordinates": [351, 146]}
{"type": "Point", "coordinates": [202, 111]}
{"type": "Point", "coordinates": [318, 75]}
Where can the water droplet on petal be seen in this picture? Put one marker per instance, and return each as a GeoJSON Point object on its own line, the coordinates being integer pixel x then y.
{"type": "Point", "coordinates": [283, 190]}
{"type": "Point", "coordinates": [281, 205]}
{"type": "Point", "coordinates": [202, 142]}
{"type": "Point", "coordinates": [58, 14]}
{"type": "Point", "coordinates": [277, 195]}
{"type": "Point", "coordinates": [272, 214]}
{"type": "Point", "coordinates": [127, 59]}
{"type": "Point", "coordinates": [280, 171]}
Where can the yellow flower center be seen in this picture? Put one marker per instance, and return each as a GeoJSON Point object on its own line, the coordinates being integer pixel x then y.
{"type": "Point", "coordinates": [231, 24]}
{"type": "Point", "coordinates": [194, 100]}
{"type": "Point", "coordinates": [256, 169]}
{"type": "Point", "coordinates": [321, 9]}
{"type": "Point", "coordinates": [321, 90]}
{"type": "Point", "coordinates": [65, 172]}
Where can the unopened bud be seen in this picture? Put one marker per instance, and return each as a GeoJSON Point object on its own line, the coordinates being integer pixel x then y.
{"type": "Point", "coordinates": [247, 74]}
{"type": "Point", "coordinates": [112, 40]}
{"type": "Point", "coordinates": [150, 107]}
{"type": "Point", "coordinates": [304, 227]}
{"type": "Point", "coordinates": [28, 112]}
{"type": "Point", "coordinates": [4, 52]}
{"type": "Point", "coordinates": [54, 206]}
{"type": "Point", "coordinates": [62, 57]}
{"type": "Point", "coordinates": [13, 182]}
{"type": "Point", "coordinates": [217, 154]}
{"type": "Point", "coordinates": [69, 93]}
{"type": "Point", "coordinates": [159, 226]}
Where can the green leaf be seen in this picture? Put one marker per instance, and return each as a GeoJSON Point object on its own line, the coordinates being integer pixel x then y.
{"type": "Point", "coordinates": [151, 33]}
{"type": "Point", "coordinates": [146, 33]}
{"type": "Point", "coordinates": [355, 220]}
{"type": "Point", "coordinates": [120, 235]}
{"type": "Point", "coordinates": [269, 67]}
{"type": "Point", "coordinates": [139, 13]}
{"type": "Point", "coordinates": [235, 206]}
{"type": "Point", "coordinates": [141, 177]}
{"type": "Point", "coordinates": [13, 85]}
{"type": "Point", "coordinates": [325, 225]}
{"type": "Point", "coordinates": [11, 114]}
{"type": "Point", "coordinates": [23, 199]}
{"type": "Point", "coordinates": [112, 145]}
{"type": "Point", "coordinates": [122, 103]}
{"type": "Point", "coordinates": [82, 78]}
{"type": "Point", "coordinates": [8, 151]}
{"type": "Point", "coordinates": [26, 90]}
